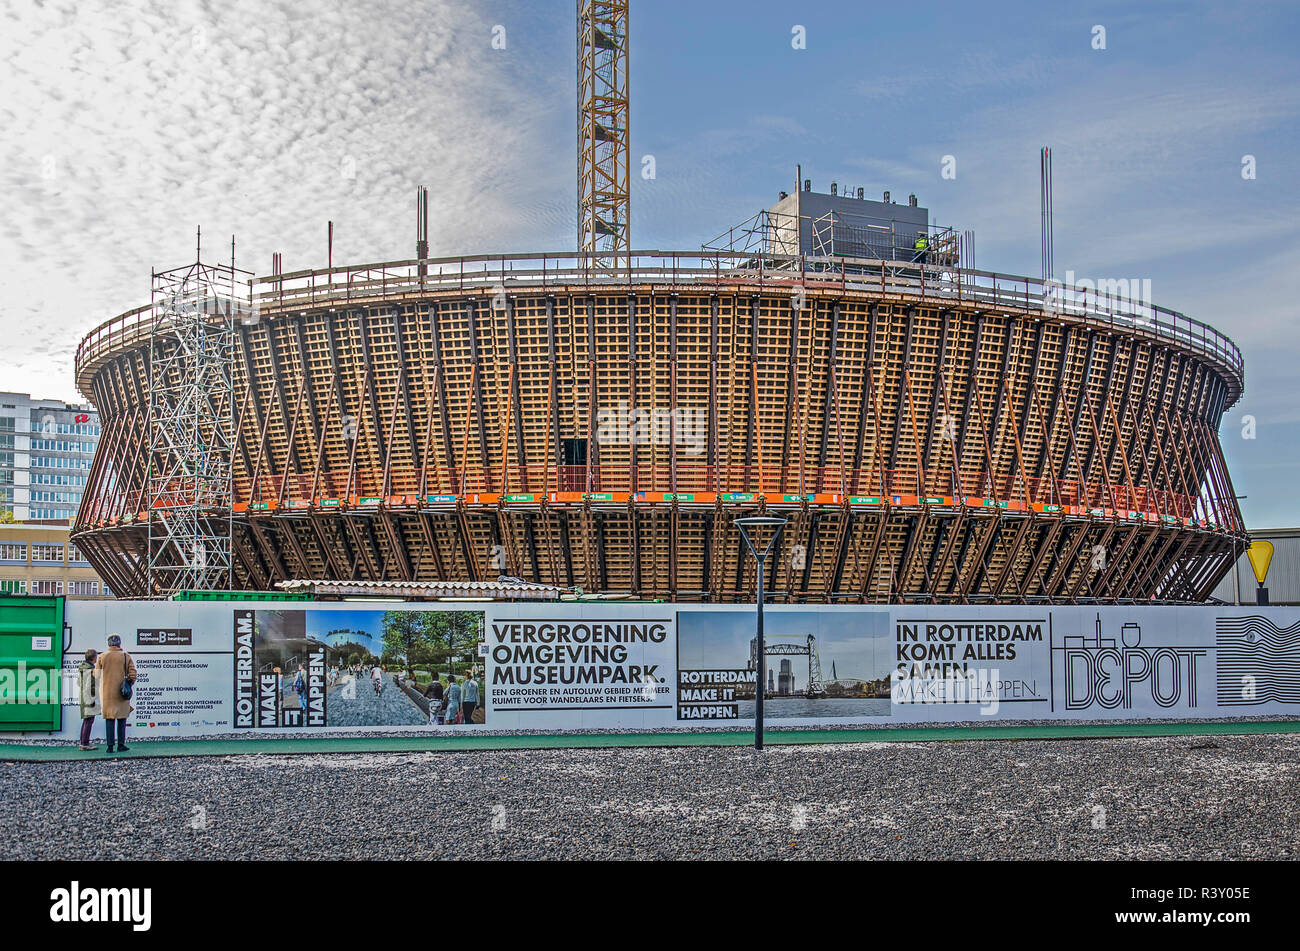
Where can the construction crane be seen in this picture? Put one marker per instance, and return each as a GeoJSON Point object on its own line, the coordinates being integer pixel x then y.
{"type": "Point", "coordinates": [604, 232]}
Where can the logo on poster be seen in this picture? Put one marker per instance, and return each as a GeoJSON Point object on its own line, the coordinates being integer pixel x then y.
{"type": "Point", "coordinates": [1100, 672]}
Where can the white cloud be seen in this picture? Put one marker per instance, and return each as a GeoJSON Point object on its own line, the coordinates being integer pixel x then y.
{"type": "Point", "coordinates": [128, 124]}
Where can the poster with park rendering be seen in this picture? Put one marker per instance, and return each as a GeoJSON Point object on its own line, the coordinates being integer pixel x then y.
{"type": "Point", "coordinates": [325, 668]}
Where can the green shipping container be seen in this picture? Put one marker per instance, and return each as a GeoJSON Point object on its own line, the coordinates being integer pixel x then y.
{"type": "Point", "coordinates": [31, 661]}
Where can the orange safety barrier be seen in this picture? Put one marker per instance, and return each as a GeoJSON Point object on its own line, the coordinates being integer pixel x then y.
{"type": "Point", "coordinates": [695, 477]}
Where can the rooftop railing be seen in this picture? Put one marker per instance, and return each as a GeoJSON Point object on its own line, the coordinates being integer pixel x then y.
{"type": "Point", "coordinates": [918, 281]}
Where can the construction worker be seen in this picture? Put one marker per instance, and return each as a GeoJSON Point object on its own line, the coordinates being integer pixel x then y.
{"type": "Point", "coordinates": [918, 249]}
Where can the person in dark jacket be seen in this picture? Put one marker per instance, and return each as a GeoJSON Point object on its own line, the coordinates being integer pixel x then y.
{"type": "Point", "coordinates": [88, 688]}
{"type": "Point", "coordinates": [433, 693]}
{"type": "Point", "coordinates": [300, 687]}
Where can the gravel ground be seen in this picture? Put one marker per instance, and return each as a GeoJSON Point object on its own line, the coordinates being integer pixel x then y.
{"type": "Point", "coordinates": [1223, 797]}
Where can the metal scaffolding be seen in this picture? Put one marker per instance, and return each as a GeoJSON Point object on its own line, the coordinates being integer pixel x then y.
{"type": "Point", "coordinates": [604, 231]}
{"type": "Point", "coordinates": [191, 426]}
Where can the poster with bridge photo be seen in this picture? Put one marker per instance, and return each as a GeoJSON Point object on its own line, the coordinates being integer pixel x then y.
{"type": "Point", "coordinates": [324, 668]}
{"type": "Point", "coordinates": [820, 665]}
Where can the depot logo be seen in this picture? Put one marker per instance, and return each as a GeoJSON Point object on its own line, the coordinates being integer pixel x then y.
{"type": "Point", "coordinates": [77, 904]}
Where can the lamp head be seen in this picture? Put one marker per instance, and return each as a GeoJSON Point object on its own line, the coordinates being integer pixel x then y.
{"type": "Point", "coordinates": [760, 522]}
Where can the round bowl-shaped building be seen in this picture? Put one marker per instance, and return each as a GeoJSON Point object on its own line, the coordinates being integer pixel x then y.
{"type": "Point", "coordinates": [931, 434]}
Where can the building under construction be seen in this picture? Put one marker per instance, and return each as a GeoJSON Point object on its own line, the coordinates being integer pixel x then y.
{"type": "Point", "coordinates": [933, 433]}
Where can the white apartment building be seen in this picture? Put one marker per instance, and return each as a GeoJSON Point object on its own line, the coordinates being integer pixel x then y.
{"type": "Point", "coordinates": [46, 448]}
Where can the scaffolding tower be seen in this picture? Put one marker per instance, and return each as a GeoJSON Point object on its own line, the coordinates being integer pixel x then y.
{"type": "Point", "coordinates": [191, 426]}
{"type": "Point", "coordinates": [604, 233]}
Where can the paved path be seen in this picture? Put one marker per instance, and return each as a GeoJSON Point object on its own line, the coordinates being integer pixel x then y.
{"type": "Point", "coordinates": [354, 703]}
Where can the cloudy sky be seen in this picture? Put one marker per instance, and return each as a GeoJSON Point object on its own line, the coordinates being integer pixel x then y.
{"type": "Point", "coordinates": [125, 125]}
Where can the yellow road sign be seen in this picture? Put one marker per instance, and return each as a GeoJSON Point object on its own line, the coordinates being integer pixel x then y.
{"type": "Point", "coordinates": [1260, 554]}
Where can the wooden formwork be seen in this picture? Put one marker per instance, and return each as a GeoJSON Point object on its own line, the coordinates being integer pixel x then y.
{"type": "Point", "coordinates": [606, 438]}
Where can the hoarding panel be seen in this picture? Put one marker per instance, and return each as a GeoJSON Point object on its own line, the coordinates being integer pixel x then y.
{"type": "Point", "coordinates": [210, 668]}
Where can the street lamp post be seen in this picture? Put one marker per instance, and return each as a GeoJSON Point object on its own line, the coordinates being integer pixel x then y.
{"type": "Point", "coordinates": [744, 524]}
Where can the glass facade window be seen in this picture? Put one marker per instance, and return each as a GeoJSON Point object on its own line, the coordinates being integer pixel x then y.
{"type": "Point", "coordinates": [11, 586]}
{"type": "Point", "coordinates": [83, 587]}
{"type": "Point", "coordinates": [56, 462]}
{"type": "Point", "coordinates": [62, 445]}
{"type": "Point", "coordinates": [13, 551]}
{"type": "Point", "coordinates": [47, 553]}
{"type": "Point", "coordinates": [64, 429]}
{"type": "Point", "coordinates": [44, 495]}
{"type": "Point", "coordinates": [47, 586]}
{"type": "Point", "coordinates": [57, 478]}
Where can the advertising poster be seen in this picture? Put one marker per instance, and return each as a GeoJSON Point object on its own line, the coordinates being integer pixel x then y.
{"type": "Point", "coordinates": [552, 666]}
{"type": "Point", "coordinates": [182, 659]}
{"type": "Point", "coordinates": [962, 659]}
{"type": "Point", "coordinates": [212, 668]}
{"type": "Point", "coordinates": [1118, 662]}
{"type": "Point", "coordinates": [1257, 662]}
{"type": "Point", "coordinates": [575, 664]}
{"type": "Point", "coordinates": [333, 668]}
{"type": "Point", "coordinates": [826, 664]}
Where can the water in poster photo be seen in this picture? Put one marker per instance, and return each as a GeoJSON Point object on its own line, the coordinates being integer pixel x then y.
{"type": "Point", "coordinates": [819, 664]}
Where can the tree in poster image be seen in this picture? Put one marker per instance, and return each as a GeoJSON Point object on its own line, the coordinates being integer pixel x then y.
{"type": "Point", "coordinates": [453, 634]}
{"type": "Point", "coordinates": [431, 637]}
{"type": "Point", "coordinates": [404, 636]}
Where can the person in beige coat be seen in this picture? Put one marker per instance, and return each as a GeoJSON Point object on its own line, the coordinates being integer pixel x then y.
{"type": "Point", "coordinates": [112, 668]}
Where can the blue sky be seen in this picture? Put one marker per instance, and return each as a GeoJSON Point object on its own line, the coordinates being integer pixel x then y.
{"type": "Point", "coordinates": [368, 623]}
{"type": "Point", "coordinates": [856, 641]}
{"type": "Point", "coordinates": [125, 124]}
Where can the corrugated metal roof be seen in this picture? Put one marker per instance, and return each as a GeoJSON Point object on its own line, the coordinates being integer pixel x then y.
{"type": "Point", "coordinates": [1283, 581]}
{"type": "Point", "coordinates": [503, 589]}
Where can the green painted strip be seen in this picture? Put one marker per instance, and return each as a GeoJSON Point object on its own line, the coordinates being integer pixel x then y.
{"type": "Point", "coordinates": [241, 596]}
{"type": "Point", "coordinates": [468, 741]}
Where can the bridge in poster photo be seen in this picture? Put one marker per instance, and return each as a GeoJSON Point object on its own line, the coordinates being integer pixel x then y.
{"type": "Point", "coordinates": [793, 648]}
